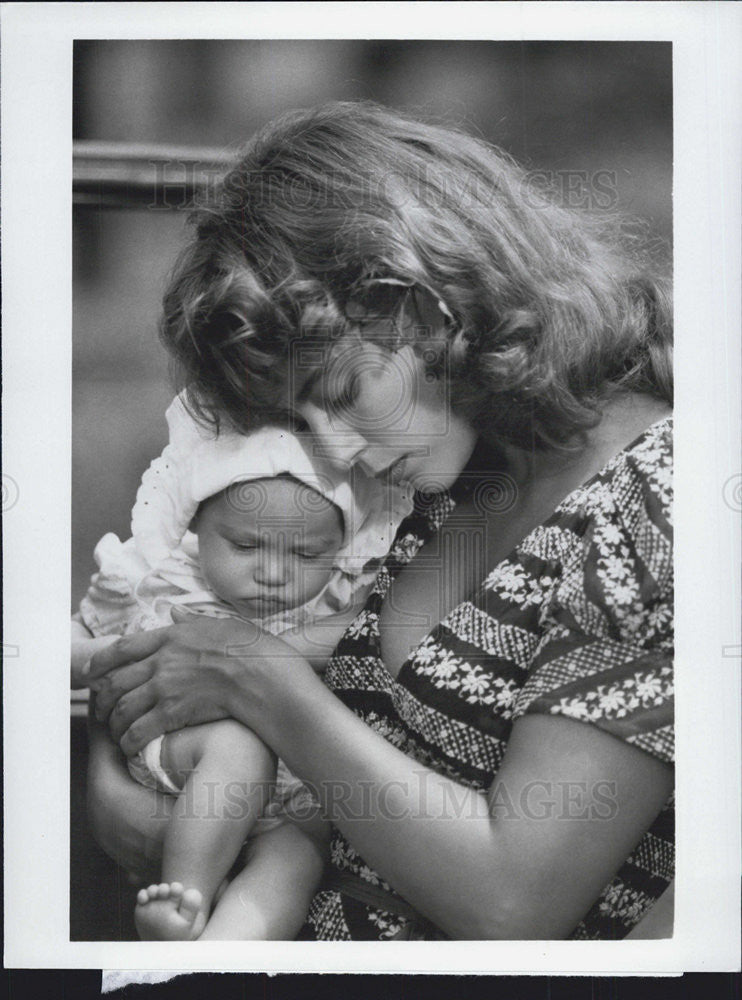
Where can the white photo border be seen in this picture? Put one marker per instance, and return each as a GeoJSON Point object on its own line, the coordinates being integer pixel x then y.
{"type": "Point", "coordinates": [36, 241]}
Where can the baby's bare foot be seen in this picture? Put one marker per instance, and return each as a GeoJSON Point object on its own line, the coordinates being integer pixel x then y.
{"type": "Point", "coordinates": [166, 912]}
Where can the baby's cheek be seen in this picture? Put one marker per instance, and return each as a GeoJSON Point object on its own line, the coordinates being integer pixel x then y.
{"type": "Point", "coordinates": [215, 568]}
{"type": "Point", "coordinates": [318, 577]}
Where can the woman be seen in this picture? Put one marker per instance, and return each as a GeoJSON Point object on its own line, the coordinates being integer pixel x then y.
{"type": "Point", "coordinates": [493, 737]}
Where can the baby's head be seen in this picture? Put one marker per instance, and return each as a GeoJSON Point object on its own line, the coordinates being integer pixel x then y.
{"type": "Point", "coordinates": [267, 545]}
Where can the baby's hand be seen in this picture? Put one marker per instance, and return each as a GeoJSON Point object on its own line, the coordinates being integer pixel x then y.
{"type": "Point", "coordinates": [83, 645]}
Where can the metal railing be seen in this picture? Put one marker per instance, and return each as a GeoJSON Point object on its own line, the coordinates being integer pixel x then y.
{"type": "Point", "coordinates": [139, 176]}
{"type": "Point", "coordinates": [116, 175]}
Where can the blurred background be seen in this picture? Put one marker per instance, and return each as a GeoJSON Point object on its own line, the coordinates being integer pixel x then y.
{"type": "Point", "coordinates": [593, 118]}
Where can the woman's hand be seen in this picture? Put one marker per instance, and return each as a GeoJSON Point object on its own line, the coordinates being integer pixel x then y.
{"type": "Point", "coordinates": [197, 671]}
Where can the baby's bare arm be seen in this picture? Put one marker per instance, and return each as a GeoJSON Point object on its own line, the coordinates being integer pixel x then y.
{"type": "Point", "coordinates": [316, 641]}
{"type": "Point", "coordinates": [83, 645]}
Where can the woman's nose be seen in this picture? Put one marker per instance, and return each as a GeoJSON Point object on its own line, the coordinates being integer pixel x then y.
{"type": "Point", "coordinates": [336, 440]}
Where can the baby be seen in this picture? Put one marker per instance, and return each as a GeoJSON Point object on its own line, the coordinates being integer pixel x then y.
{"type": "Point", "coordinates": [255, 528]}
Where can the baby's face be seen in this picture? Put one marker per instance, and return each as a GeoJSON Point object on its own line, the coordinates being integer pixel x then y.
{"type": "Point", "coordinates": [267, 545]}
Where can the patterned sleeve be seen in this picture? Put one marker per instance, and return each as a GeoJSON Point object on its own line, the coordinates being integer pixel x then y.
{"type": "Point", "coordinates": [606, 646]}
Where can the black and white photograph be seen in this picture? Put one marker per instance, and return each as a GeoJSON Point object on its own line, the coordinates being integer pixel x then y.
{"type": "Point", "coordinates": [369, 528]}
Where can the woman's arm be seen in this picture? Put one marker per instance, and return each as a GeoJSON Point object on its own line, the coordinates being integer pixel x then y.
{"type": "Point", "coordinates": [316, 641]}
{"type": "Point", "coordinates": [525, 860]}
{"type": "Point", "coordinates": [659, 922]}
{"type": "Point", "coordinates": [127, 820]}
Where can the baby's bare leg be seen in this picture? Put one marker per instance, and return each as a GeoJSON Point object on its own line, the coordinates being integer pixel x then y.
{"type": "Point", "coordinates": [226, 773]}
{"type": "Point", "coordinates": [269, 899]}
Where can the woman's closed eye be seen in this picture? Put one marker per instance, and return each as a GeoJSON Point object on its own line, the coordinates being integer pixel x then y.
{"type": "Point", "coordinates": [341, 394]}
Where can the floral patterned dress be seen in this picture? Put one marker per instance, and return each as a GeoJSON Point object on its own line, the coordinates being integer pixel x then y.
{"type": "Point", "coordinates": [576, 621]}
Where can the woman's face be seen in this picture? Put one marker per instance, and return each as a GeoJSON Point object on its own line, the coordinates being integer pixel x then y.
{"type": "Point", "coordinates": [379, 409]}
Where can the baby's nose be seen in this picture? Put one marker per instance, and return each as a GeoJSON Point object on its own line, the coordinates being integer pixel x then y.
{"type": "Point", "coordinates": [273, 568]}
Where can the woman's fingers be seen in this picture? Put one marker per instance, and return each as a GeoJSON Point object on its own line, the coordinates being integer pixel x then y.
{"type": "Point", "coordinates": [128, 649]}
{"type": "Point", "coordinates": [141, 731]}
{"type": "Point", "coordinates": [129, 707]}
{"type": "Point", "coordinates": [109, 689]}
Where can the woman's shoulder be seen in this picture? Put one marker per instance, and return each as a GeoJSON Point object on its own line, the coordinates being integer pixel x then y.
{"type": "Point", "coordinates": [617, 577]}
{"type": "Point", "coordinates": [634, 488]}
{"type": "Point", "coordinates": [648, 459]}
{"type": "Point", "coordinates": [605, 643]}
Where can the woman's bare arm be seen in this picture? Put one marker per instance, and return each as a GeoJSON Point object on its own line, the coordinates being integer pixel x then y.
{"type": "Point", "coordinates": [127, 820]}
{"type": "Point", "coordinates": [316, 641]}
{"type": "Point", "coordinates": [659, 922]}
{"type": "Point", "coordinates": [524, 860]}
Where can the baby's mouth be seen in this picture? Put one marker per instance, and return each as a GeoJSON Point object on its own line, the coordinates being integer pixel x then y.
{"type": "Point", "coordinates": [263, 605]}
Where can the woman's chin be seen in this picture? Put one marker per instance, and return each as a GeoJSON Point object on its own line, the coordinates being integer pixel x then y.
{"type": "Point", "coordinates": [428, 482]}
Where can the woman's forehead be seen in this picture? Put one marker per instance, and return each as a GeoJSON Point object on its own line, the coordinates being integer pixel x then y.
{"type": "Point", "coordinates": [311, 363]}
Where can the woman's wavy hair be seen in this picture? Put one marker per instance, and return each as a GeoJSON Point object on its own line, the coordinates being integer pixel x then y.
{"type": "Point", "coordinates": [550, 310]}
